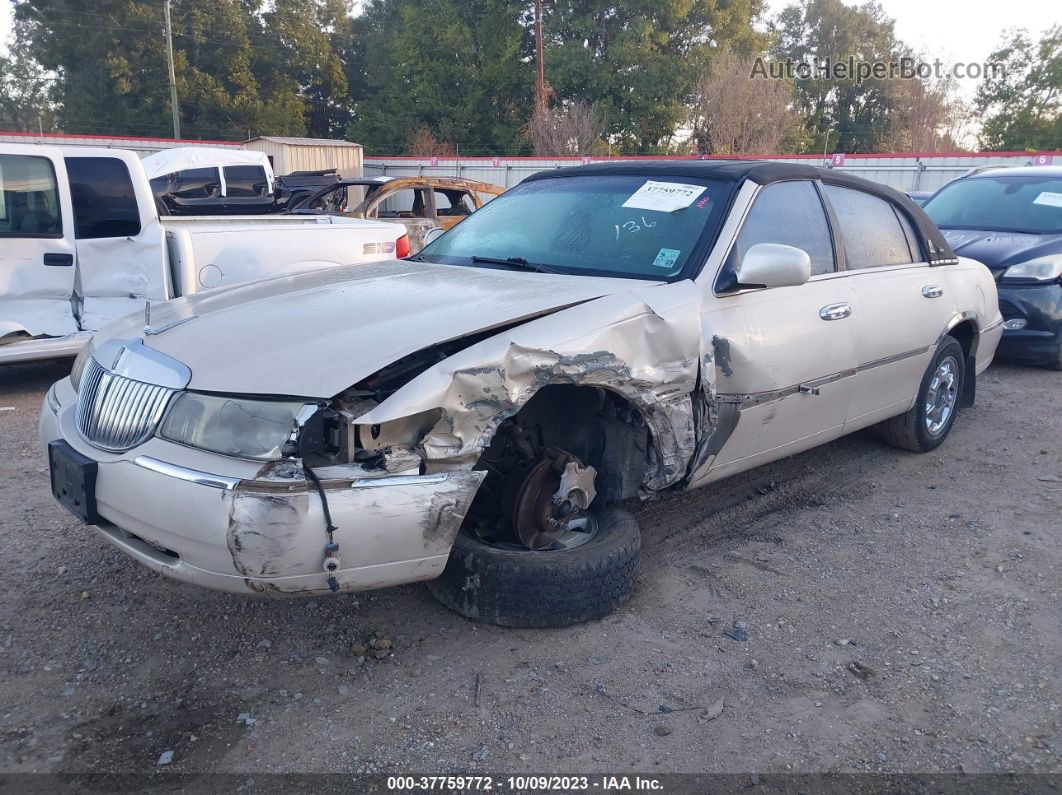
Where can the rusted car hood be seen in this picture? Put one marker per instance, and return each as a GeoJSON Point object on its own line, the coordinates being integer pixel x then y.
{"type": "Point", "coordinates": [314, 334]}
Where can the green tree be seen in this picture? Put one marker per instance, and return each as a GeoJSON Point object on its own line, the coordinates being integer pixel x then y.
{"type": "Point", "coordinates": [308, 41]}
{"type": "Point", "coordinates": [25, 89]}
{"type": "Point", "coordinates": [638, 61]}
{"type": "Point", "coordinates": [1022, 105]}
{"type": "Point", "coordinates": [460, 69]}
{"type": "Point", "coordinates": [855, 115]}
{"type": "Point", "coordinates": [110, 61]}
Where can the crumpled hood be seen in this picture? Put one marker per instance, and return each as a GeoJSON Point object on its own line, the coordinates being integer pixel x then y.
{"type": "Point", "coordinates": [315, 334]}
{"type": "Point", "coordinates": [1001, 249]}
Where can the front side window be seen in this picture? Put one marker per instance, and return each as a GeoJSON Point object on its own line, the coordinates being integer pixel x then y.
{"type": "Point", "coordinates": [246, 181]}
{"type": "Point", "coordinates": [790, 214]}
{"type": "Point", "coordinates": [1031, 204]}
{"type": "Point", "coordinates": [103, 196]}
{"type": "Point", "coordinates": [29, 197]}
{"type": "Point", "coordinates": [625, 225]}
{"type": "Point", "coordinates": [871, 230]}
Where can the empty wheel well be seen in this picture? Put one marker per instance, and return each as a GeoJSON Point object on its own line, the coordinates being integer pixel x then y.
{"type": "Point", "coordinates": [598, 426]}
{"type": "Point", "coordinates": [966, 333]}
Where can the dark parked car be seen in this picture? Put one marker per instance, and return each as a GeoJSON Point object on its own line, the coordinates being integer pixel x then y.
{"type": "Point", "coordinates": [1011, 220]}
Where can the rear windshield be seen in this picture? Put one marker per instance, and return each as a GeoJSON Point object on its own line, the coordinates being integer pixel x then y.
{"type": "Point", "coordinates": [612, 225]}
{"type": "Point", "coordinates": [1000, 203]}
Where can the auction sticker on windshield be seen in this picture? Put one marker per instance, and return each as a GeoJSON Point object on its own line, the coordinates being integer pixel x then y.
{"type": "Point", "coordinates": [665, 197]}
{"type": "Point", "coordinates": [1047, 197]}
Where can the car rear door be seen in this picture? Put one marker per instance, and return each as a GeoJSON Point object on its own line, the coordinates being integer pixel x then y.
{"type": "Point", "coordinates": [904, 304]}
{"type": "Point", "coordinates": [37, 250]}
{"type": "Point", "coordinates": [785, 357]}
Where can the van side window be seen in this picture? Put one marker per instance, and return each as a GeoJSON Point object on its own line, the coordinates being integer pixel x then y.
{"type": "Point", "coordinates": [196, 183]}
{"type": "Point", "coordinates": [104, 198]}
{"type": "Point", "coordinates": [29, 197]}
{"type": "Point", "coordinates": [246, 181]}
{"type": "Point", "coordinates": [870, 228]}
{"type": "Point", "coordinates": [789, 213]}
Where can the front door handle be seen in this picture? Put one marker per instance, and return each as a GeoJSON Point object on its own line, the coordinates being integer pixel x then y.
{"type": "Point", "coordinates": [932, 291]}
{"type": "Point", "coordinates": [59, 260]}
{"type": "Point", "coordinates": [835, 311]}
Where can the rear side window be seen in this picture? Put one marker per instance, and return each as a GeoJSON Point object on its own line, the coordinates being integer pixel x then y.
{"type": "Point", "coordinates": [29, 197]}
{"type": "Point", "coordinates": [196, 183]}
{"type": "Point", "coordinates": [453, 202]}
{"type": "Point", "coordinates": [404, 203]}
{"type": "Point", "coordinates": [789, 213]}
{"type": "Point", "coordinates": [246, 181]}
{"type": "Point", "coordinates": [872, 233]}
{"type": "Point", "coordinates": [104, 199]}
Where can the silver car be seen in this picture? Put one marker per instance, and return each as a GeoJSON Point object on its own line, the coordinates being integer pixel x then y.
{"type": "Point", "coordinates": [476, 415]}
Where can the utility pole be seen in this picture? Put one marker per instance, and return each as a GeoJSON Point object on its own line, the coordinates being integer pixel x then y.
{"type": "Point", "coordinates": [173, 77]}
{"type": "Point", "coordinates": [541, 102]}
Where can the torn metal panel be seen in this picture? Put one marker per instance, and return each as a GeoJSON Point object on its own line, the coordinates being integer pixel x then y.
{"type": "Point", "coordinates": [641, 343]}
{"type": "Point", "coordinates": [275, 540]}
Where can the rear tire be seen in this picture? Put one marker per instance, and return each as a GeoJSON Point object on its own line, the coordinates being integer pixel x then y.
{"type": "Point", "coordinates": [927, 424]}
{"type": "Point", "coordinates": [1056, 363]}
{"type": "Point", "coordinates": [522, 588]}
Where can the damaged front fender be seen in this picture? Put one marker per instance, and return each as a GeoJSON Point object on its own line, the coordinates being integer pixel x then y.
{"type": "Point", "coordinates": [644, 344]}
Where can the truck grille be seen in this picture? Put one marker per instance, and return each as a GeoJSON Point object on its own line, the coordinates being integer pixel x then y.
{"type": "Point", "coordinates": [116, 413]}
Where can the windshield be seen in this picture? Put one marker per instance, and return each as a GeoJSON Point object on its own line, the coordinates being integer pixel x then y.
{"type": "Point", "coordinates": [611, 225]}
{"type": "Point", "coordinates": [1000, 203]}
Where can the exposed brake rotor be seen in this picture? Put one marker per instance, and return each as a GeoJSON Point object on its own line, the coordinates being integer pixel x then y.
{"type": "Point", "coordinates": [555, 493]}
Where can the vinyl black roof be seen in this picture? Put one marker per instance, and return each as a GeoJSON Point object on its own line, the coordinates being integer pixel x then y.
{"type": "Point", "coordinates": [762, 172]}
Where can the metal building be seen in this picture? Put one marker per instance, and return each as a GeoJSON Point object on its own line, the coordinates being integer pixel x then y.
{"type": "Point", "coordinates": [141, 145]}
{"type": "Point", "coordinates": [309, 154]}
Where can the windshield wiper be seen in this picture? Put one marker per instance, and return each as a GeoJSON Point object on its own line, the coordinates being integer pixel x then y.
{"type": "Point", "coordinates": [515, 262]}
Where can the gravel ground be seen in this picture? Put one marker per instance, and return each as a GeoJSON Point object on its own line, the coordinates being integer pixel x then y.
{"type": "Point", "coordinates": [902, 615]}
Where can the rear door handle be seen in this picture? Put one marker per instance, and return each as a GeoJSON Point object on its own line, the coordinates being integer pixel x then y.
{"type": "Point", "coordinates": [835, 311]}
{"type": "Point", "coordinates": [932, 291]}
{"type": "Point", "coordinates": [59, 260]}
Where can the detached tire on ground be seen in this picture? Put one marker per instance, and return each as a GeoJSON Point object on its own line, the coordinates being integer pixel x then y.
{"type": "Point", "coordinates": [925, 426]}
{"type": "Point", "coordinates": [522, 588]}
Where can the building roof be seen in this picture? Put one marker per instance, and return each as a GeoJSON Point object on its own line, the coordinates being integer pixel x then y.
{"type": "Point", "coordinates": [292, 141]}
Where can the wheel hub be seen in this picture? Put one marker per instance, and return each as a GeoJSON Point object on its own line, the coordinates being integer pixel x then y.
{"type": "Point", "coordinates": [553, 499]}
{"type": "Point", "coordinates": [942, 395]}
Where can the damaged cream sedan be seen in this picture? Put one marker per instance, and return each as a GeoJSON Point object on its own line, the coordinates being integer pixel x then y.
{"type": "Point", "coordinates": [473, 417]}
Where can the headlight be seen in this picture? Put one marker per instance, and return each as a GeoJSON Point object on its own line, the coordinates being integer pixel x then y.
{"type": "Point", "coordinates": [79, 363]}
{"type": "Point", "coordinates": [1042, 269]}
{"type": "Point", "coordinates": [255, 429]}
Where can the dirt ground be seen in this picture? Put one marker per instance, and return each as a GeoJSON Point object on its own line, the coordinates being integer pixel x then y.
{"type": "Point", "coordinates": [902, 614]}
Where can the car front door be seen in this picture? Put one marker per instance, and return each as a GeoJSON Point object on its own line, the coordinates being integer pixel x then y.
{"type": "Point", "coordinates": [120, 254]}
{"type": "Point", "coordinates": [785, 357]}
{"type": "Point", "coordinates": [37, 250]}
{"type": "Point", "coordinates": [904, 304]}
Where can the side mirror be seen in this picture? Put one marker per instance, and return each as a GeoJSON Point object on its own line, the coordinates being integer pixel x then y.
{"type": "Point", "coordinates": [774, 265]}
{"type": "Point", "coordinates": [433, 234]}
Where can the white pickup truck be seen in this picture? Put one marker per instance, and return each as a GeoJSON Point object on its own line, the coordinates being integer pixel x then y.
{"type": "Point", "coordinates": [81, 244]}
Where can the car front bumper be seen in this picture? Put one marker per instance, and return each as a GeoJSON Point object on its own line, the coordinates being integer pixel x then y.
{"type": "Point", "coordinates": [1040, 306]}
{"type": "Point", "coordinates": [233, 526]}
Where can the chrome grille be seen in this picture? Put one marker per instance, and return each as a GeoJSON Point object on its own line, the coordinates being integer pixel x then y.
{"type": "Point", "coordinates": [116, 413]}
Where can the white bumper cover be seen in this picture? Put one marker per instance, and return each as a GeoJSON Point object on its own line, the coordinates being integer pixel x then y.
{"type": "Point", "coordinates": [244, 535]}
